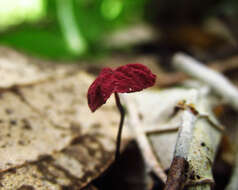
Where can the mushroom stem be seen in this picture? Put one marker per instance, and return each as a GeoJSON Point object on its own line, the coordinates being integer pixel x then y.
{"type": "Point", "coordinates": [122, 112]}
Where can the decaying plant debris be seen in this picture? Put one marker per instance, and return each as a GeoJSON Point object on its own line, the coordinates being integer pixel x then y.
{"type": "Point", "coordinates": [199, 133]}
{"type": "Point", "coordinates": [223, 87]}
{"type": "Point", "coordinates": [50, 139]}
{"type": "Point", "coordinates": [24, 132]}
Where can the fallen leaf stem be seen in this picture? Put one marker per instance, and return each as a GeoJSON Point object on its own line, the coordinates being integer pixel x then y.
{"type": "Point", "coordinates": [118, 140]}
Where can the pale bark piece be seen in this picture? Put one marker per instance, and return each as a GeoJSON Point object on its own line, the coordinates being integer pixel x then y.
{"type": "Point", "coordinates": [197, 142]}
{"type": "Point", "coordinates": [17, 69]}
{"type": "Point", "coordinates": [73, 168]}
{"type": "Point", "coordinates": [202, 151]}
{"type": "Point", "coordinates": [25, 135]}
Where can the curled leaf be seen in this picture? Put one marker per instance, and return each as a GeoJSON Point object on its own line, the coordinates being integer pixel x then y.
{"type": "Point", "coordinates": [125, 79]}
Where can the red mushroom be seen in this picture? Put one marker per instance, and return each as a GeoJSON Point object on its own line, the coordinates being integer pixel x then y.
{"type": "Point", "coordinates": [128, 78]}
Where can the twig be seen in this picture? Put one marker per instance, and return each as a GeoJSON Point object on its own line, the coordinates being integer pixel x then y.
{"type": "Point", "coordinates": [195, 147]}
{"type": "Point", "coordinates": [154, 130]}
{"type": "Point", "coordinates": [220, 84]}
{"type": "Point", "coordinates": [176, 178]}
{"type": "Point", "coordinates": [179, 167]}
{"type": "Point", "coordinates": [185, 134]}
{"type": "Point", "coordinates": [224, 66]}
{"type": "Point", "coordinates": [143, 142]}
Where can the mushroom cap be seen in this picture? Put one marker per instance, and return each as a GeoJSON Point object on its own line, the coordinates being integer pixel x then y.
{"type": "Point", "coordinates": [124, 79]}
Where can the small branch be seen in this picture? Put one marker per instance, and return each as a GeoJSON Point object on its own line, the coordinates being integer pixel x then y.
{"type": "Point", "coordinates": [179, 167]}
{"type": "Point", "coordinates": [198, 137]}
{"type": "Point", "coordinates": [185, 134]}
{"type": "Point", "coordinates": [122, 112]}
{"type": "Point", "coordinates": [220, 84]}
{"type": "Point", "coordinates": [143, 142]}
{"type": "Point", "coordinates": [195, 148]}
{"type": "Point", "coordinates": [176, 178]}
{"type": "Point", "coordinates": [171, 79]}
{"type": "Point", "coordinates": [154, 130]}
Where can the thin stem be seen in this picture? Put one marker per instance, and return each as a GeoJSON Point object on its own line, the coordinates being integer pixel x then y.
{"type": "Point", "coordinates": [122, 112]}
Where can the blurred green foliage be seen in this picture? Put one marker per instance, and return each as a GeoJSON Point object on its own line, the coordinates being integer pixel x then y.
{"type": "Point", "coordinates": [14, 12]}
{"type": "Point", "coordinates": [69, 29]}
{"type": "Point", "coordinates": [65, 29]}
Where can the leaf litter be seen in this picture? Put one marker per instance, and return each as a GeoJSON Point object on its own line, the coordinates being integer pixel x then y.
{"type": "Point", "coordinates": [93, 137]}
{"type": "Point", "coordinates": [52, 143]}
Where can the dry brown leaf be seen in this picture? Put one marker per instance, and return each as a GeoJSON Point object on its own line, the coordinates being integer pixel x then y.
{"type": "Point", "coordinates": [24, 134]}
{"type": "Point", "coordinates": [73, 168]}
{"type": "Point", "coordinates": [17, 69]}
{"type": "Point", "coordinates": [64, 103]}
{"type": "Point", "coordinates": [49, 138]}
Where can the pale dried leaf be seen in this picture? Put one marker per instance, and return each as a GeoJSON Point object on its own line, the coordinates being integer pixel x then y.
{"type": "Point", "coordinates": [50, 139]}
{"type": "Point", "coordinates": [17, 69]}
{"type": "Point", "coordinates": [88, 155]}
{"type": "Point", "coordinates": [25, 135]}
{"type": "Point", "coordinates": [73, 168]}
{"type": "Point", "coordinates": [64, 102]}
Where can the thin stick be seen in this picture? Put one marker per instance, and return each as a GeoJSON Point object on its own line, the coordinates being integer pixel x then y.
{"type": "Point", "coordinates": [176, 178]}
{"type": "Point", "coordinates": [122, 112]}
{"type": "Point", "coordinates": [143, 142]}
{"type": "Point", "coordinates": [220, 84]}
